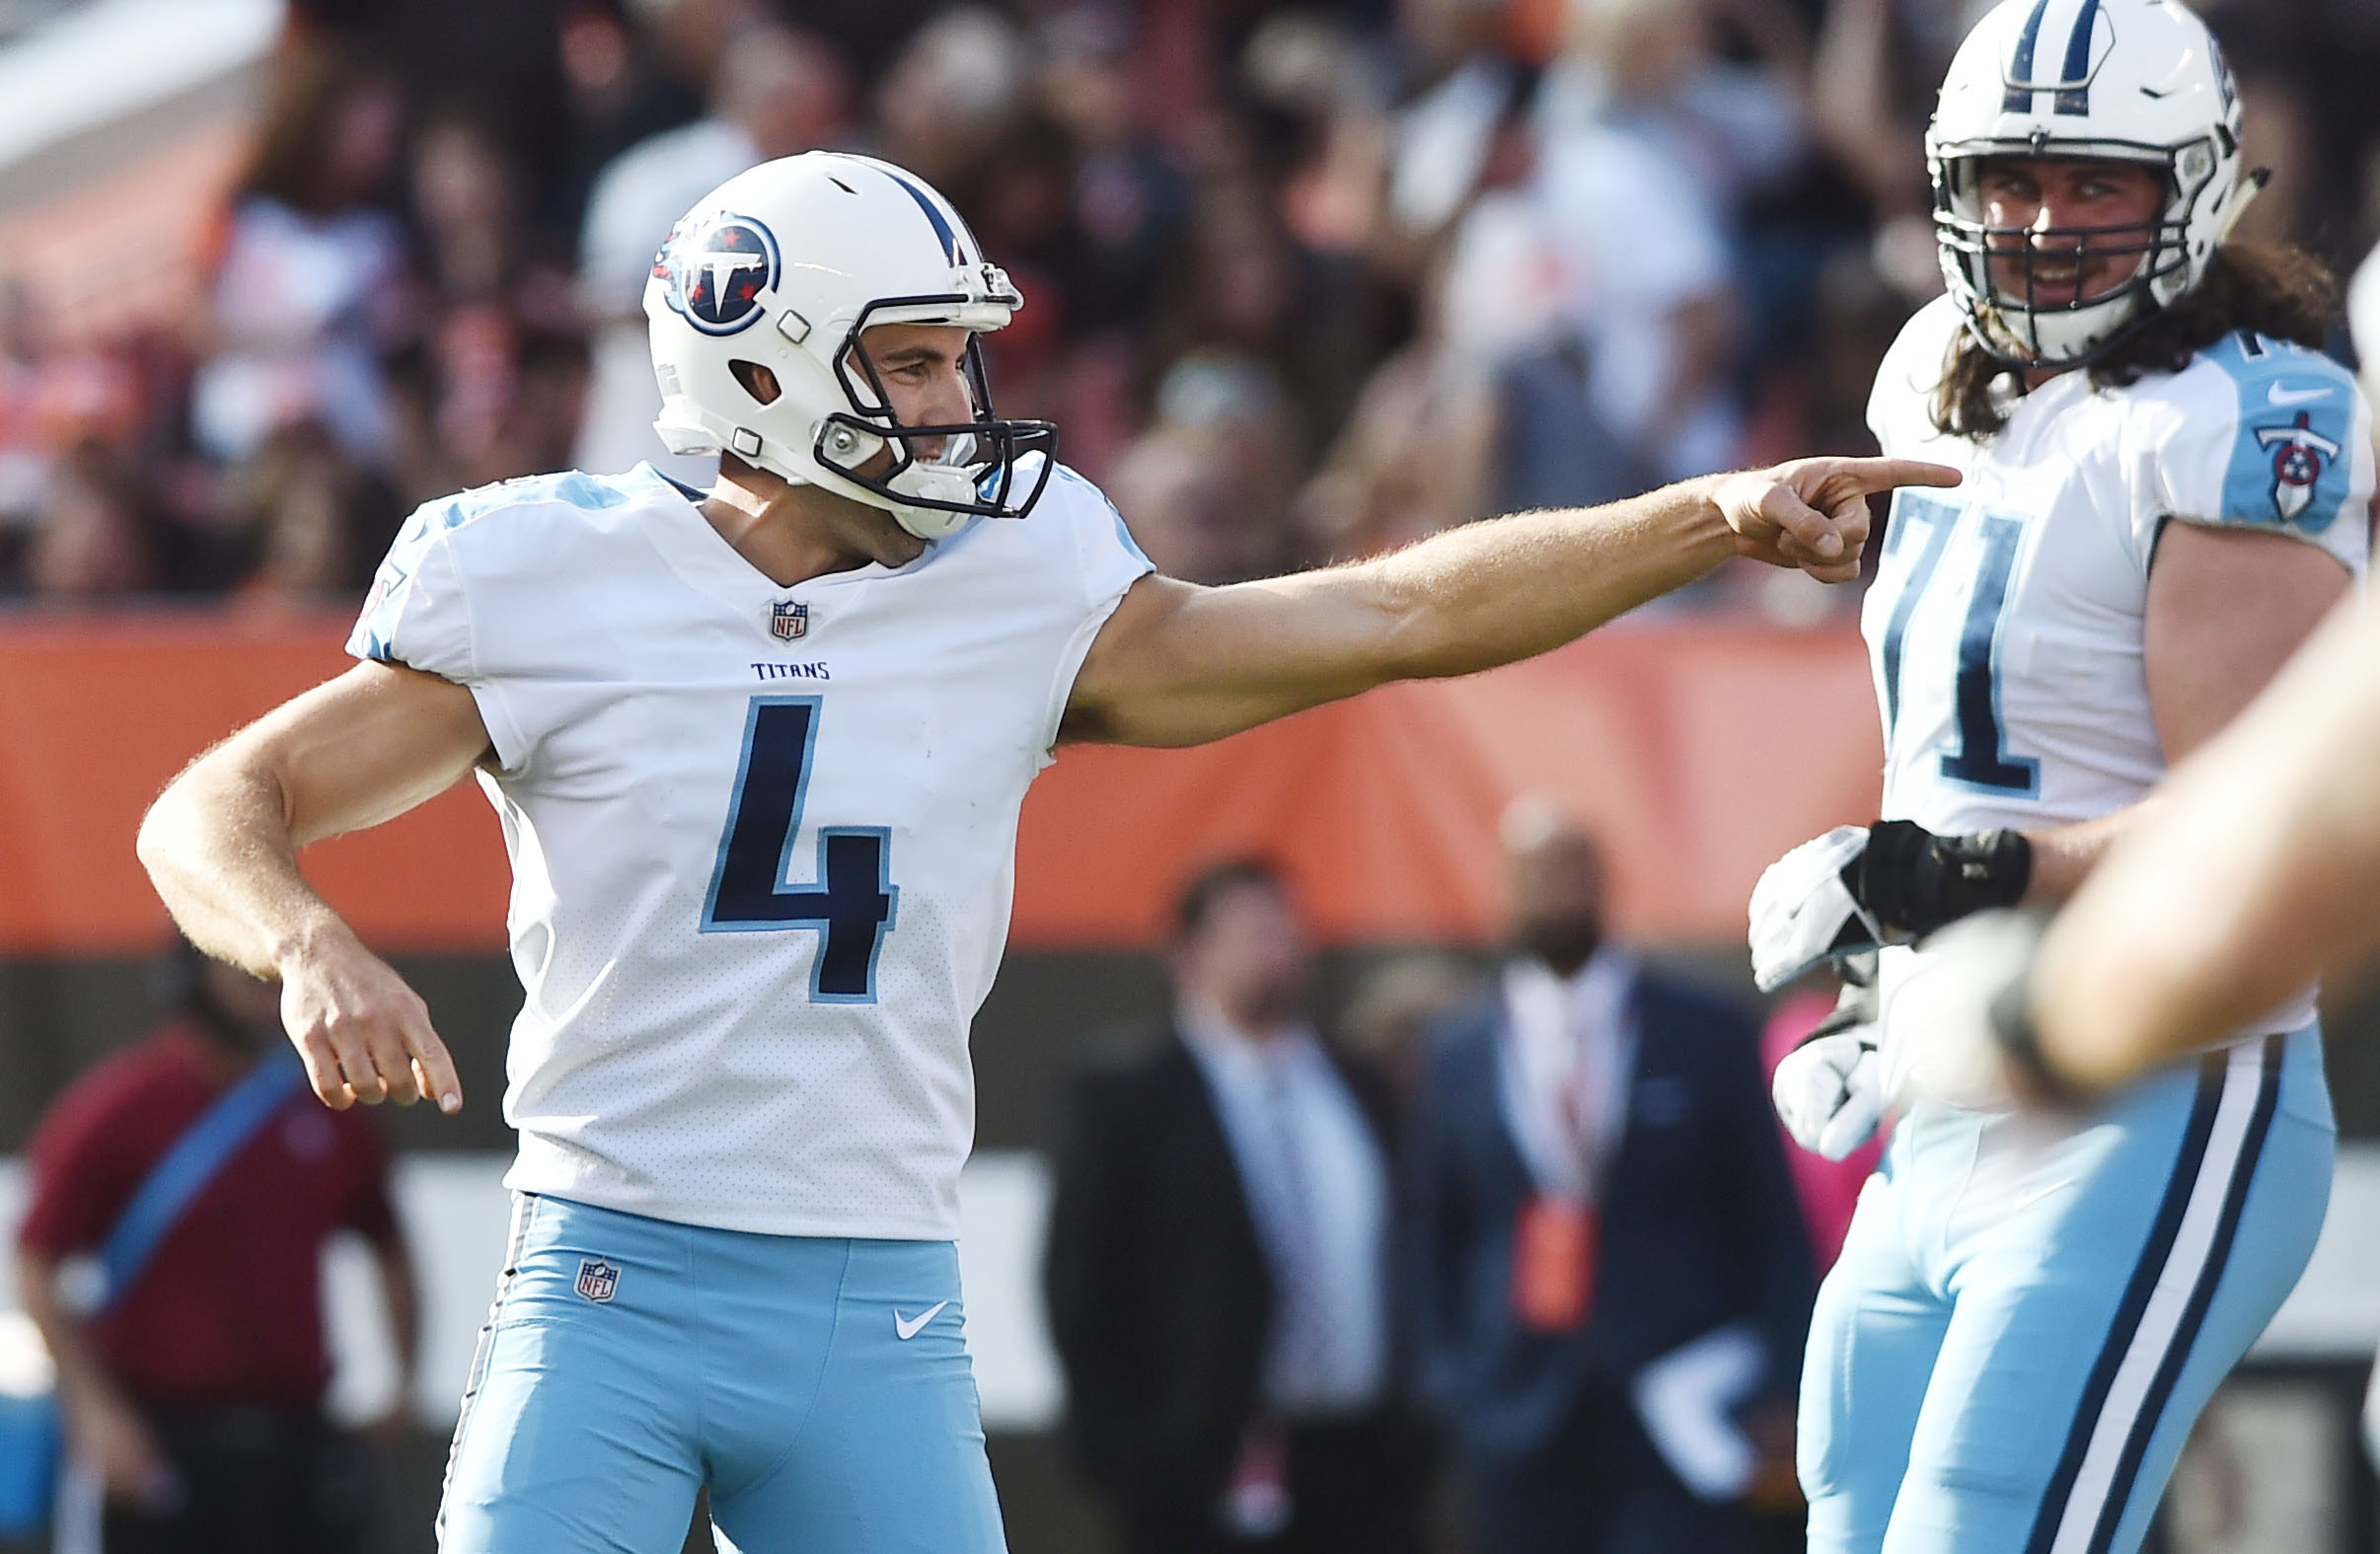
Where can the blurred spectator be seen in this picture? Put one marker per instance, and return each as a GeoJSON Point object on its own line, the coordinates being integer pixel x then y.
{"type": "Point", "coordinates": [777, 93]}
{"type": "Point", "coordinates": [1646, 67]}
{"type": "Point", "coordinates": [1469, 86]}
{"type": "Point", "coordinates": [1610, 1280]}
{"type": "Point", "coordinates": [1419, 453]}
{"type": "Point", "coordinates": [1394, 1008]}
{"type": "Point", "coordinates": [312, 522]}
{"type": "Point", "coordinates": [1205, 490]}
{"type": "Point", "coordinates": [101, 535]}
{"type": "Point", "coordinates": [305, 294]}
{"type": "Point", "coordinates": [1217, 1272]}
{"type": "Point", "coordinates": [195, 1399]}
{"type": "Point", "coordinates": [1130, 198]}
{"type": "Point", "coordinates": [956, 87]}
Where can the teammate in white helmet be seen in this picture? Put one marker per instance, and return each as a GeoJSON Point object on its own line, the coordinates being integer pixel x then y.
{"type": "Point", "coordinates": [2166, 490]}
{"type": "Point", "coordinates": [758, 754]}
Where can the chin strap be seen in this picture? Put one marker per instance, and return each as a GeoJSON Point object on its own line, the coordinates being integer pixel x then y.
{"type": "Point", "coordinates": [2250, 187]}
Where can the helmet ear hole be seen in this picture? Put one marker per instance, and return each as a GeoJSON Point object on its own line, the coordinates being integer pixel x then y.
{"type": "Point", "coordinates": [757, 380]}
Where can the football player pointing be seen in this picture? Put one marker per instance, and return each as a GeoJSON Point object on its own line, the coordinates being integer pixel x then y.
{"type": "Point", "coordinates": [758, 754]}
{"type": "Point", "coordinates": [2166, 489]}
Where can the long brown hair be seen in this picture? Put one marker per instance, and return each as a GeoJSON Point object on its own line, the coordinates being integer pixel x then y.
{"type": "Point", "coordinates": [2274, 289]}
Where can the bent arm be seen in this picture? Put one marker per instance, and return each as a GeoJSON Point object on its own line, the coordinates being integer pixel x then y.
{"type": "Point", "coordinates": [2226, 608]}
{"type": "Point", "coordinates": [221, 846]}
{"type": "Point", "coordinates": [2261, 866]}
{"type": "Point", "coordinates": [1180, 665]}
{"type": "Point", "coordinates": [221, 843]}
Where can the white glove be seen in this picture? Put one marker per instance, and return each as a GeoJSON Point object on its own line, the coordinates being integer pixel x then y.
{"type": "Point", "coordinates": [1828, 1090]}
{"type": "Point", "coordinates": [1937, 1004]}
{"type": "Point", "coordinates": [1802, 912]}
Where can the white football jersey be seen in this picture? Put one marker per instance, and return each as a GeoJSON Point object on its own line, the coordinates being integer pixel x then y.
{"type": "Point", "coordinates": [2004, 624]}
{"type": "Point", "coordinates": [761, 838]}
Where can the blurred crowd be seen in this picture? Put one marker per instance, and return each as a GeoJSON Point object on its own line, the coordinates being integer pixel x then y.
{"type": "Point", "coordinates": [1302, 281]}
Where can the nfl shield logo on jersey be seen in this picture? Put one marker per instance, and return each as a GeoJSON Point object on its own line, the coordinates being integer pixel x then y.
{"type": "Point", "coordinates": [597, 1278]}
{"type": "Point", "coordinates": [789, 619]}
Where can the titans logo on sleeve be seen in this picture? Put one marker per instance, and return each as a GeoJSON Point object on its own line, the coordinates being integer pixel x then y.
{"type": "Point", "coordinates": [717, 267]}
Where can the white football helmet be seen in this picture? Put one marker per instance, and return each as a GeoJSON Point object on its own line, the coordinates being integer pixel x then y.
{"type": "Point", "coordinates": [2119, 80]}
{"type": "Point", "coordinates": [782, 266]}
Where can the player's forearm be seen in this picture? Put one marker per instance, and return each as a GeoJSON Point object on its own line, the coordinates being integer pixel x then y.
{"type": "Point", "coordinates": [2261, 866]}
{"type": "Point", "coordinates": [2063, 857]}
{"type": "Point", "coordinates": [218, 848]}
{"type": "Point", "coordinates": [1491, 593]}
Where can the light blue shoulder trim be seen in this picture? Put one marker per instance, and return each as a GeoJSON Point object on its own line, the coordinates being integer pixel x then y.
{"type": "Point", "coordinates": [2290, 462]}
{"type": "Point", "coordinates": [375, 632]}
{"type": "Point", "coordinates": [1132, 547]}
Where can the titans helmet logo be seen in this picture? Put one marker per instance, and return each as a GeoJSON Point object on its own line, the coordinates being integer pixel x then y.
{"type": "Point", "coordinates": [2298, 452]}
{"type": "Point", "coordinates": [717, 267]}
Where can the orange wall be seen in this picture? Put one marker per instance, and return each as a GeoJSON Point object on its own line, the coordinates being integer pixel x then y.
{"type": "Point", "coordinates": [1700, 750]}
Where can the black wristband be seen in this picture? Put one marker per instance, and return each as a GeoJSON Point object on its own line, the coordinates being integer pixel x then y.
{"type": "Point", "coordinates": [2020, 1044]}
{"type": "Point", "coordinates": [1916, 882]}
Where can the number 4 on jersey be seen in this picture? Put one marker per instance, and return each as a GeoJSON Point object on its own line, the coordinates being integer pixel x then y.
{"type": "Point", "coordinates": [850, 905]}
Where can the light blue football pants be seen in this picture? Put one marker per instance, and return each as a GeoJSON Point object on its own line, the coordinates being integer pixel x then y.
{"type": "Point", "coordinates": [2027, 1315]}
{"type": "Point", "coordinates": [821, 1387]}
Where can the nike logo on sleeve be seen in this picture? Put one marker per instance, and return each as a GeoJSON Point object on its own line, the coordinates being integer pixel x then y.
{"type": "Point", "coordinates": [2276, 395]}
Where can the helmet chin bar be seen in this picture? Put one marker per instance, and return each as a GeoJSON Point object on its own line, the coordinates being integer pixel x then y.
{"type": "Point", "coordinates": [930, 496]}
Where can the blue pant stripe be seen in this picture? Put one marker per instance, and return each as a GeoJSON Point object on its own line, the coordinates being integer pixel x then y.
{"type": "Point", "coordinates": [2168, 1373]}
{"type": "Point", "coordinates": [2125, 1327]}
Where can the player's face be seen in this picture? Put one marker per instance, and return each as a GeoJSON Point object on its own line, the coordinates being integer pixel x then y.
{"type": "Point", "coordinates": [923, 370]}
{"type": "Point", "coordinates": [2045, 213]}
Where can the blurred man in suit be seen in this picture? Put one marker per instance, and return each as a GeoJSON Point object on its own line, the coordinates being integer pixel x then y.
{"type": "Point", "coordinates": [1218, 1268]}
{"type": "Point", "coordinates": [1610, 1278]}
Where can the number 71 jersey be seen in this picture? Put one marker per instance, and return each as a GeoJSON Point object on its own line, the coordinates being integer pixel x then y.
{"type": "Point", "coordinates": [761, 838]}
{"type": "Point", "coordinates": [2005, 624]}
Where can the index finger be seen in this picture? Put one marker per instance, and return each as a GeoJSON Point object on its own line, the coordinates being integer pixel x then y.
{"type": "Point", "coordinates": [1884, 474]}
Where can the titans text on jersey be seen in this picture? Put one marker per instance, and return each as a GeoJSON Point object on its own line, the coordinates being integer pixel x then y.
{"type": "Point", "coordinates": [755, 906]}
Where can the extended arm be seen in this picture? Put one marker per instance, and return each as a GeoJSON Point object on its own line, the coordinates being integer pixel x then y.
{"type": "Point", "coordinates": [221, 846]}
{"type": "Point", "coordinates": [2261, 866]}
{"type": "Point", "coordinates": [1179, 665]}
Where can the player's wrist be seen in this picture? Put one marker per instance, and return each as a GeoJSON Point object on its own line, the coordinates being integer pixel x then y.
{"type": "Point", "coordinates": [1916, 882]}
{"type": "Point", "coordinates": [305, 944]}
{"type": "Point", "coordinates": [2019, 1040]}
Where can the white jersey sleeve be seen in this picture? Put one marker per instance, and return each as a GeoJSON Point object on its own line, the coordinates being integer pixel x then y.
{"type": "Point", "coordinates": [1111, 562]}
{"type": "Point", "coordinates": [2256, 434]}
{"type": "Point", "coordinates": [431, 604]}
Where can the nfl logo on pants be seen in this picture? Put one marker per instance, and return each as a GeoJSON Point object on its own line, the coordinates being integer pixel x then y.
{"type": "Point", "coordinates": [597, 1278]}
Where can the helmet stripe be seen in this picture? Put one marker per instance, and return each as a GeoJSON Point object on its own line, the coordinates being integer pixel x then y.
{"type": "Point", "coordinates": [2076, 77]}
{"type": "Point", "coordinates": [2020, 69]}
{"type": "Point", "coordinates": [934, 213]}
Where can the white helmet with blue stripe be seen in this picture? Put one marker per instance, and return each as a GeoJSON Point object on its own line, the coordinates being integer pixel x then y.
{"type": "Point", "coordinates": [2118, 80]}
{"type": "Point", "coordinates": [781, 268]}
